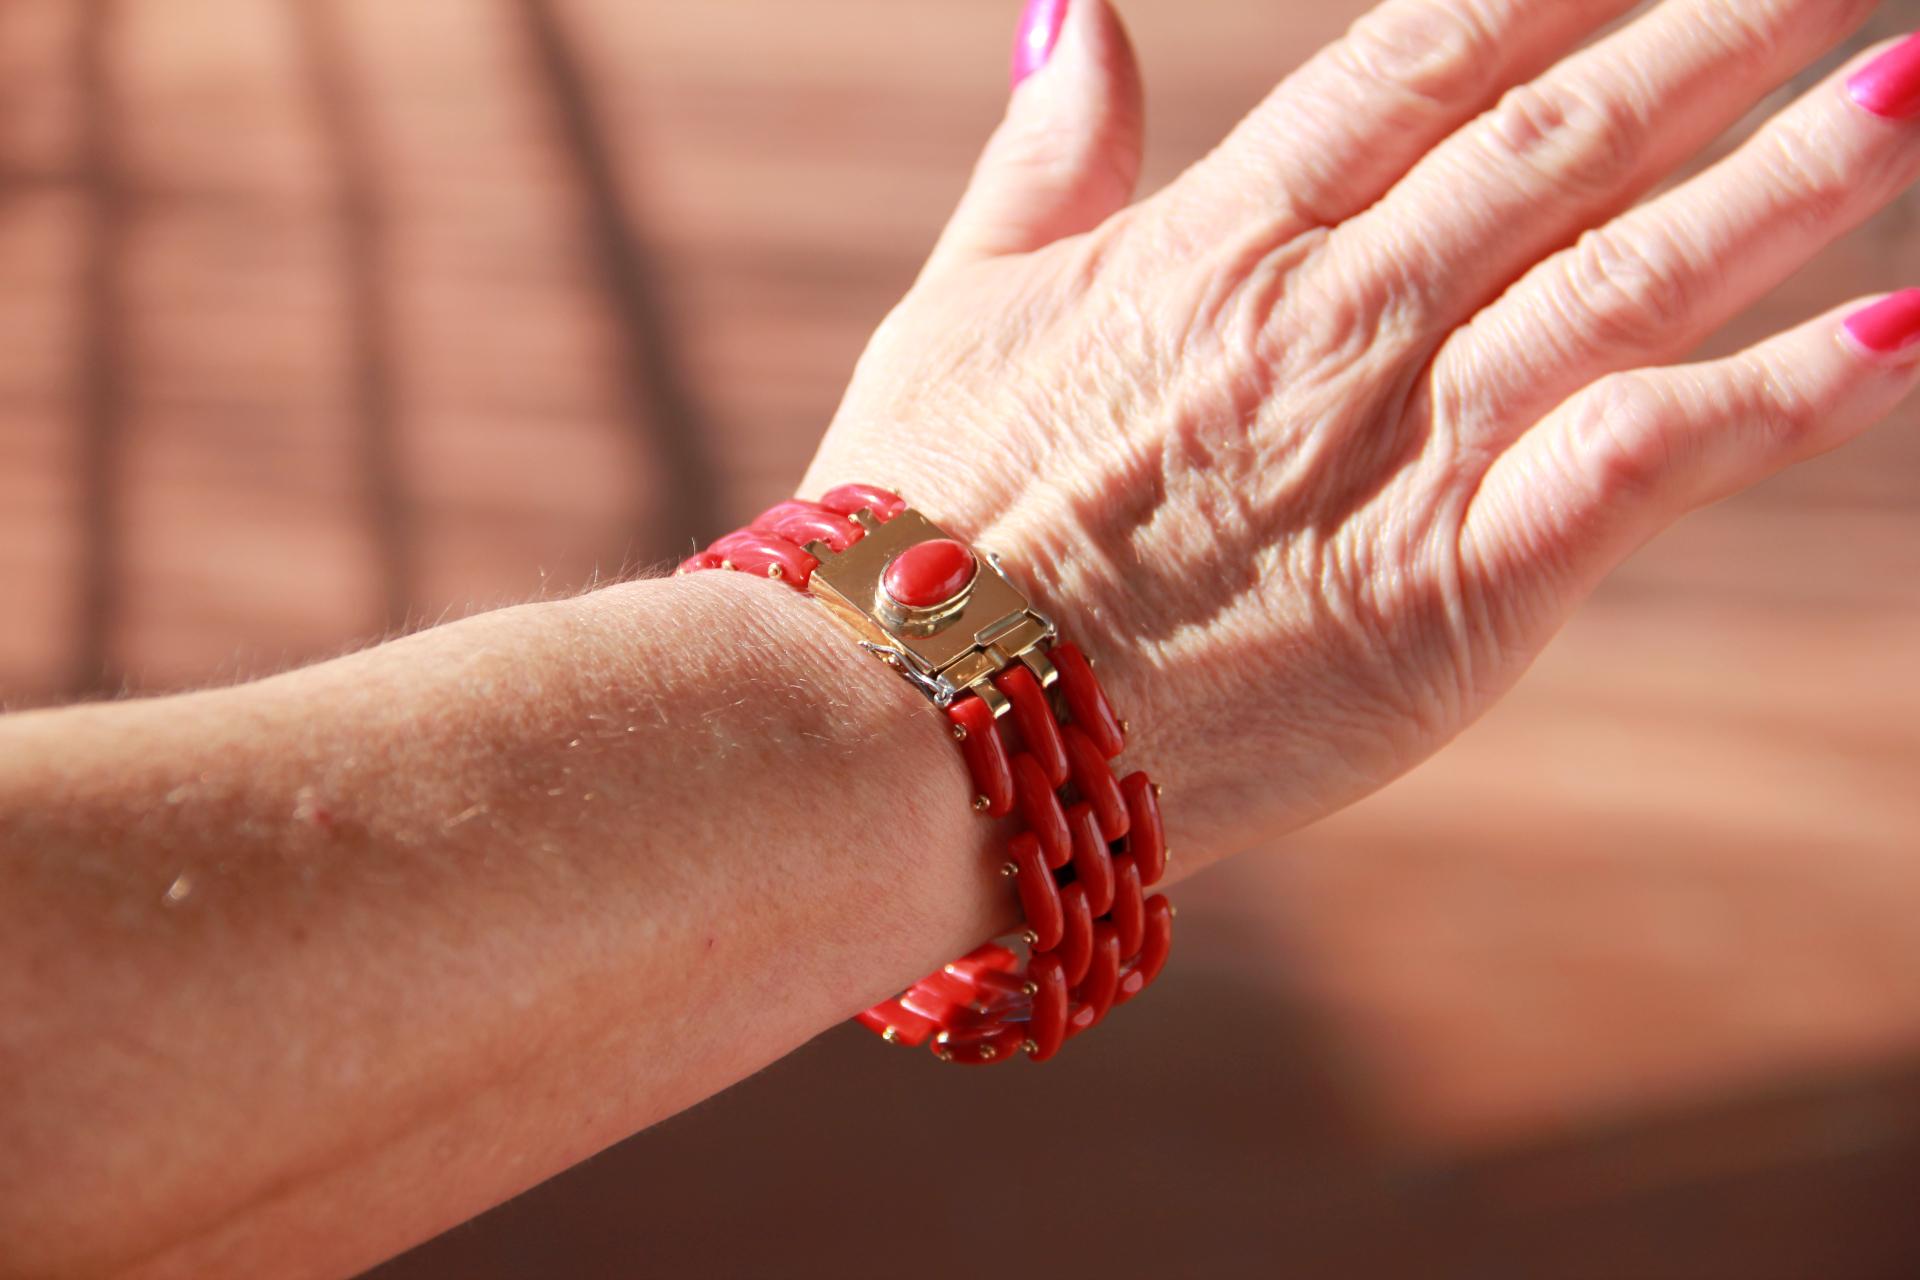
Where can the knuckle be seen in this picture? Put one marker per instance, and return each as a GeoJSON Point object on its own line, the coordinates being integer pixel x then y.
{"type": "Point", "coordinates": [1440, 51]}
{"type": "Point", "coordinates": [1628, 285]}
{"type": "Point", "coordinates": [1360, 299]}
{"type": "Point", "coordinates": [1584, 142]}
{"type": "Point", "coordinates": [1788, 414]}
{"type": "Point", "coordinates": [1815, 164]}
{"type": "Point", "coordinates": [1621, 442]}
{"type": "Point", "coordinates": [1748, 37]}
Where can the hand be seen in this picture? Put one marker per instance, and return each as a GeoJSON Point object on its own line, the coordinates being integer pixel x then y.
{"type": "Point", "coordinates": [1317, 447]}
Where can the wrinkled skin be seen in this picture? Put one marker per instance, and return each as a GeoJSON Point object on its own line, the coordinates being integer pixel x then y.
{"type": "Point", "coordinates": [1318, 447]}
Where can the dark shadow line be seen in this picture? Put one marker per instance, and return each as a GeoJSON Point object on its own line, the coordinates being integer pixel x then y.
{"type": "Point", "coordinates": [101, 367]}
{"type": "Point", "coordinates": [661, 406]}
{"type": "Point", "coordinates": [365, 269]}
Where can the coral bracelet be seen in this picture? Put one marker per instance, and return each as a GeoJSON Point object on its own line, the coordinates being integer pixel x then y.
{"type": "Point", "coordinates": [1088, 844]}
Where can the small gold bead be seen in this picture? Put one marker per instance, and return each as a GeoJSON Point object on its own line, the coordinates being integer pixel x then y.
{"type": "Point", "coordinates": [1029, 937]}
{"type": "Point", "coordinates": [1009, 869]}
{"type": "Point", "coordinates": [726, 564]}
{"type": "Point", "coordinates": [775, 571]}
{"type": "Point", "coordinates": [943, 1054]}
{"type": "Point", "coordinates": [1030, 989]}
{"type": "Point", "coordinates": [1156, 791]}
{"type": "Point", "coordinates": [891, 1035]}
{"type": "Point", "coordinates": [959, 733]}
{"type": "Point", "coordinates": [981, 804]}
{"type": "Point", "coordinates": [1126, 726]}
{"type": "Point", "coordinates": [988, 1053]}
{"type": "Point", "coordinates": [1031, 1046]}
{"type": "Point", "coordinates": [1173, 912]}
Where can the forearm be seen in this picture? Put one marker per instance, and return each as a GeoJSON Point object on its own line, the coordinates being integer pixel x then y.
{"type": "Point", "coordinates": [388, 939]}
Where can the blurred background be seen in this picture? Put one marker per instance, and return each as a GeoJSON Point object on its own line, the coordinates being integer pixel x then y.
{"type": "Point", "coordinates": [324, 318]}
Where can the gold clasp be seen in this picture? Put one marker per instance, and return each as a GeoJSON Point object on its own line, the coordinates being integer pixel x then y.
{"type": "Point", "coordinates": [954, 650]}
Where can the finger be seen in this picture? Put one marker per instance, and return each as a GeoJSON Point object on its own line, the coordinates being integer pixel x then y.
{"type": "Point", "coordinates": [1623, 459]}
{"type": "Point", "coordinates": [1581, 142]}
{"type": "Point", "coordinates": [1067, 155]}
{"type": "Point", "coordinates": [1651, 285]}
{"type": "Point", "coordinates": [1337, 133]}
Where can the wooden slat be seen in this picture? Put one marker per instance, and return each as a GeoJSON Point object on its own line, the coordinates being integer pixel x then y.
{"type": "Point", "coordinates": [43, 517]}
{"type": "Point", "coordinates": [243, 542]}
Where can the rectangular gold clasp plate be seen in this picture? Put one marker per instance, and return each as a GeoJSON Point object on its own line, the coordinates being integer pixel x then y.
{"type": "Point", "coordinates": [944, 655]}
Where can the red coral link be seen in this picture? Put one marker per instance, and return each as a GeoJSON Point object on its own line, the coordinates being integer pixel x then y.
{"type": "Point", "coordinates": [971, 1023]}
{"type": "Point", "coordinates": [950, 986]}
{"type": "Point", "coordinates": [1096, 784]}
{"type": "Point", "coordinates": [1146, 836]}
{"type": "Point", "coordinates": [908, 1028]}
{"type": "Point", "coordinates": [1039, 895]}
{"type": "Point", "coordinates": [978, 1046]}
{"type": "Point", "coordinates": [984, 752]}
{"type": "Point", "coordinates": [1153, 951]}
{"type": "Point", "coordinates": [849, 498]}
{"type": "Point", "coordinates": [1092, 861]}
{"type": "Point", "coordinates": [1086, 700]}
{"type": "Point", "coordinates": [753, 552]}
{"type": "Point", "coordinates": [1102, 983]}
{"type": "Point", "coordinates": [979, 977]}
{"type": "Point", "coordinates": [1038, 729]}
{"type": "Point", "coordinates": [1048, 1026]}
{"type": "Point", "coordinates": [1076, 941]}
{"type": "Point", "coordinates": [803, 522]}
{"type": "Point", "coordinates": [929, 1001]}
{"type": "Point", "coordinates": [1001, 991]}
{"type": "Point", "coordinates": [1040, 809]}
{"type": "Point", "coordinates": [988, 957]}
{"type": "Point", "coordinates": [1129, 911]}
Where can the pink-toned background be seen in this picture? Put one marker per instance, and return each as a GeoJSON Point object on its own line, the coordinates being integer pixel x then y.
{"type": "Point", "coordinates": [327, 317]}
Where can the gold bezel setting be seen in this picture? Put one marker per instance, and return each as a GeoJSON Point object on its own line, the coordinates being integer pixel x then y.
{"type": "Point", "coordinates": [915, 619]}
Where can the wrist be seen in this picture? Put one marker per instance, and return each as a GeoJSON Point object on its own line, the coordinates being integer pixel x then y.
{"type": "Point", "coordinates": [1039, 738]}
{"type": "Point", "coordinates": [802, 737]}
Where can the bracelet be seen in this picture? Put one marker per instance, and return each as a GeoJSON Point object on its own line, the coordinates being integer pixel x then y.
{"type": "Point", "coordinates": [1090, 844]}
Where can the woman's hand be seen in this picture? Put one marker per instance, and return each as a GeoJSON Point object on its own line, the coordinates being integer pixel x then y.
{"type": "Point", "coordinates": [1319, 446]}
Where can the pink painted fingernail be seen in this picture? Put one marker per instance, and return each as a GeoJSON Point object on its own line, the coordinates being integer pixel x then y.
{"type": "Point", "coordinates": [1888, 327]}
{"type": "Point", "coordinates": [1034, 39]}
{"type": "Point", "coordinates": [1889, 86]}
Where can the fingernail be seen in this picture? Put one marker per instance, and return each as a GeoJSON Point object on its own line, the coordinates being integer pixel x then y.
{"type": "Point", "coordinates": [1889, 86]}
{"type": "Point", "coordinates": [1034, 39]}
{"type": "Point", "coordinates": [1888, 327]}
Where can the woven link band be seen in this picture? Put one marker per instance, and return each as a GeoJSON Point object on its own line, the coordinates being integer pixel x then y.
{"type": "Point", "coordinates": [1039, 738]}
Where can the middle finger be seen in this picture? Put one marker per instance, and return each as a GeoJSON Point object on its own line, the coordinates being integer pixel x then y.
{"type": "Point", "coordinates": [1577, 145]}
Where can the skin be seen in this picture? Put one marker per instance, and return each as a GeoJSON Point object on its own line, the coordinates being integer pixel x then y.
{"type": "Point", "coordinates": [1315, 448]}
